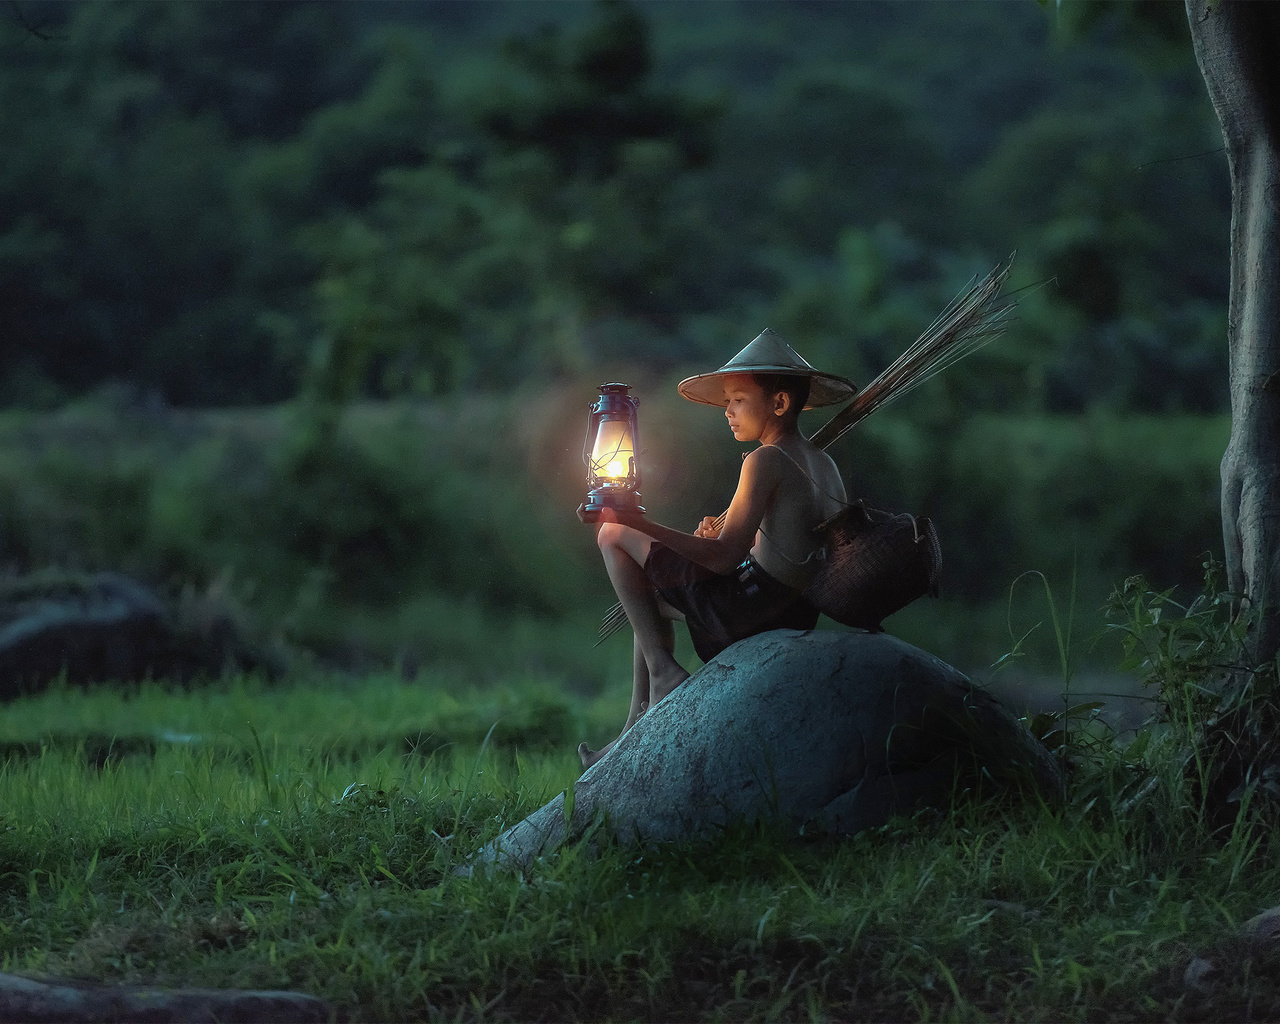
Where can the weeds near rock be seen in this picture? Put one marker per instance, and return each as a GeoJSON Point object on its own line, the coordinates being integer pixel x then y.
{"type": "Point", "coordinates": [1218, 716]}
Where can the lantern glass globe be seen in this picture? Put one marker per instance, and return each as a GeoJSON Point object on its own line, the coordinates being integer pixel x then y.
{"type": "Point", "coordinates": [614, 450]}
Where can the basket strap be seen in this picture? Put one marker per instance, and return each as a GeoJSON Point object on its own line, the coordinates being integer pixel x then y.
{"type": "Point", "coordinates": [844, 502]}
{"type": "Point", "coordinates": [805, 473]}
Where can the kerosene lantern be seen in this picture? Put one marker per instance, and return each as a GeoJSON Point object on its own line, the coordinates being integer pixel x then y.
{"type": "Point", "coordinates": [610, 452]}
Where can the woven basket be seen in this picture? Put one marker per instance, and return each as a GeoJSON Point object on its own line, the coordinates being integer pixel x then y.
{"type": "Point", "coordinates": [877, 562]}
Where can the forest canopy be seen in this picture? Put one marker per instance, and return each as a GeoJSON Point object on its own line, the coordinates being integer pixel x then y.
{"type": "Point", "coordinates": [226, 203]}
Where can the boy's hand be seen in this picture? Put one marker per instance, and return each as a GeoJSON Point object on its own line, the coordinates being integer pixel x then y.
{"type": "Point", "coordinates": [707, 528]}
{"type": "Point", "coordinates": [627, 517]}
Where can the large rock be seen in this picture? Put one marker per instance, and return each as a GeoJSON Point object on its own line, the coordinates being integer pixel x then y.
{"type": "Point", "coordinates": [836, 730]}
{"type": "Point", "coordinates": [28, 1000]}
{"type": "Point", "coordinates": [108, 627]}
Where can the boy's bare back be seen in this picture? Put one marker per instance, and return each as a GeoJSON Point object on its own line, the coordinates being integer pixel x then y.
{"type": "Point", "coordinates": [808, 490]}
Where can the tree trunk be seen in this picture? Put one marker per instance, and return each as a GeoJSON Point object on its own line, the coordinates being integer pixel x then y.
{"type": "Point", "coordinates": [1237, 44]}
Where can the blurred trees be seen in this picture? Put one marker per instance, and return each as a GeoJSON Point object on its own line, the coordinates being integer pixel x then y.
{"type": "Point", "coordinates": [550, 212]}
{"type": "Point", "coordinates": [224, 202]}
{"type": "Point", "coordinates": [125, 247]}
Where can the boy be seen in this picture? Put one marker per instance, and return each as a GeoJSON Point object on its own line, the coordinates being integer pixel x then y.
{"type": "Point", "coordinates": [745, 576]}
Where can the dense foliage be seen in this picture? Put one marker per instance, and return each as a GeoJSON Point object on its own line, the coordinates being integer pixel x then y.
{"type": "Point", "coordinates": [443, 532]}
{"type": "Point", "coordinates": [222, 203]}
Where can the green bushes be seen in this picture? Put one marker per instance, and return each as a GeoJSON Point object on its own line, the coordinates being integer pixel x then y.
{"type": "Point", "coordinates": [1199, 779]}
{"type": "Point", "coordinates": [215, 202]}
{"type": "Point", "coordinates": [416, 526]}
{"type": "Point", "coordinates": [1113, 492]}
{"type": "Point", "coordinates": [1217, 723]}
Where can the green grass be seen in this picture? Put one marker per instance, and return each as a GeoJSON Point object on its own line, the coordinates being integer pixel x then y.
{"type": "Point", "coordinates": [332, 715]}
{"type": "Point", "coordinates": [261, 857]}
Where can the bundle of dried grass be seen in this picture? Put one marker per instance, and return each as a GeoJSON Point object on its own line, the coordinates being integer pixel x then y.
{"type": "Point", "coordinates": [974, 318]}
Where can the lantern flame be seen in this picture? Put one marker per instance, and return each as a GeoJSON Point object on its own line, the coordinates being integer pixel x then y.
{"type": "Point", "coordinates": [614, 451]}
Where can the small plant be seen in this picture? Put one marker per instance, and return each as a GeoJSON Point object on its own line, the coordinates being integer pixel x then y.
{"type": "Point", "coordinates": [1084, 743]}
{"type": "Point", "coordinates": [1219, 713]}
{"type": "Point", "coordinates": [1067, 732]}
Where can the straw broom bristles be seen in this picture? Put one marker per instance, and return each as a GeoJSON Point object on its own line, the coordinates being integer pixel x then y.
{"type": "Point", "coordinates": [614, 619]}
{"type": "Point", "coordinates": [971, 320]}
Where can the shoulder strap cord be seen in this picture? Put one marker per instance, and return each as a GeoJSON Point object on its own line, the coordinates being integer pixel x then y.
{"type": "Point", "coordinates": [843, 503]}
{"type": "Point", "coordinates": [819, 552]}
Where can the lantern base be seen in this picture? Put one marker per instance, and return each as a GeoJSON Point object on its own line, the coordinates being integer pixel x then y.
{"type": "Point", "coordinates": [600, 498]}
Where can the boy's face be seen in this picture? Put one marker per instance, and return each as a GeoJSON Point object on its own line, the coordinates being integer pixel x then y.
{"type": "Point", "coordinates": [749, 410]}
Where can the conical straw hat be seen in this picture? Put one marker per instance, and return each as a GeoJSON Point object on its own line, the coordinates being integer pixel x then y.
{"type": "Point", "coordinates": [768, 354]}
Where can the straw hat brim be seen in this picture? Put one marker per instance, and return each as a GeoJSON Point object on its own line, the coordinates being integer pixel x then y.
{"type": "Point", "coordinates": [824, 388]}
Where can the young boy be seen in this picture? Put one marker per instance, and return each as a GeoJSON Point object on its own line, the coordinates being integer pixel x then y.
{"type": "Point", "coordinates": [732, 580]}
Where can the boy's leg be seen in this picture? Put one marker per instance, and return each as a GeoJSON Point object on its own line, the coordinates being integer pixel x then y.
{"type": "Point", "coordinates": [639, 702]}
{"type": "Point", "coordinates": [639, 684]}
{"type": "Point", "coordinates": [656, 691]}
{"type": "Point", "coordinates": [625, 551]}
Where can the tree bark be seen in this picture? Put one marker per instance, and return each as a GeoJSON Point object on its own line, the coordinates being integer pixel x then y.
{"type": "Point", "coordinates": [1237, 43]}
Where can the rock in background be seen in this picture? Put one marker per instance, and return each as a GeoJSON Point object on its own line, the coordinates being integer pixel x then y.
{"type": "Point", "coordinates": [29, 1000]}
{"type": "Point", "coordinates": [110, 628]}
{"type": "Point", "coordinates": [840, 730]}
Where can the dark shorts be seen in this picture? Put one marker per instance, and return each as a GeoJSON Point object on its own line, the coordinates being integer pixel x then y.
{"type": "Point", "coordinates": [722, 609]}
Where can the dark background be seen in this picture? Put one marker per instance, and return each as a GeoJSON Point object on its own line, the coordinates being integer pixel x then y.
{"type": "Point", "coordinates": [204, 199]}
{"type": "Point", "coordinates": [221, 224]}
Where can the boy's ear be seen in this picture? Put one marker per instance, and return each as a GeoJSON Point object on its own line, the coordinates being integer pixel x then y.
{"type": "Point", "coordinates": [781, 403]}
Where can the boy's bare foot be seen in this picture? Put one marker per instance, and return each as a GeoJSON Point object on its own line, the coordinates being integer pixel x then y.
{"type": "Point", "coordinates": [660, 686]}
{"type": "Point", "coordinates": [588, 757]}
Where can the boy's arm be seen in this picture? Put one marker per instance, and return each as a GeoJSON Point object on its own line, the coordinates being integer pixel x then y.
{"type": "Point", "coordinates": [756, 487]}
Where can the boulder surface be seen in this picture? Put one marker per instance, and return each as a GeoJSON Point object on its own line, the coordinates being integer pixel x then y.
{"type": "Point", "coordinates": [836, 730]}
{"type": "Point", "coordinates": [107, 627]}
{"type": "Point", "coordinates": [29, 1001]}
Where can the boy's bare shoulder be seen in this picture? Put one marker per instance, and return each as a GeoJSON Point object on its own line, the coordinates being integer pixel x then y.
{"type": "Point", "coordinates": [762, 454]}
{"type": "Point", "coordinates": [767, 458]}
{"type": "Point", "coordinates": [768, 468]}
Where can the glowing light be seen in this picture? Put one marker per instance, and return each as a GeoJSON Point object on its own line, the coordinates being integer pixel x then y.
{"type": "Point", "coordinates": [613, 451]}
{"type": "Point", "coordinates": [610, 454]}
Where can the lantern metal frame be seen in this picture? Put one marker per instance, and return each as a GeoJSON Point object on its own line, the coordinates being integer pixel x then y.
{"type": "Point", "coordinates": [615, 403]}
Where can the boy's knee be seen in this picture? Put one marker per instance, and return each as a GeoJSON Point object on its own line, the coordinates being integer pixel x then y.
{"type": "Point", "coordinates": [609, 535]}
